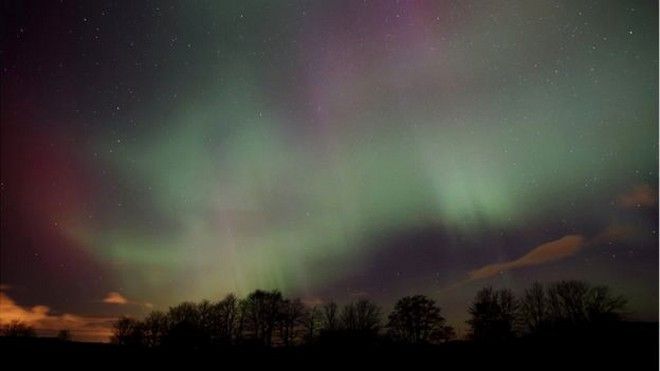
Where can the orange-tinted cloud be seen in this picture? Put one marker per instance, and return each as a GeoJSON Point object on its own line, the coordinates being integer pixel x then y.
{"type": "Point", "coordinates": [554, 250]}
{"type": "Point", "coordinates": [82, 328]}
{"type": "Point", "coordinates": [615, 232]}
{"type": "Point", "coordinates": [642, 195]}
{"type": "Point", "coordinates": [544, 253]}
{"type": "Point", "coordinates": [115, 298]}
{"type": "Point", "coordinates": [313, 301]}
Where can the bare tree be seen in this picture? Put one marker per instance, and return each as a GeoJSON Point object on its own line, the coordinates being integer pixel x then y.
{"type": "Point", "coordinates": [568, 306]}
{"type": "Point", "coordinates": [184, 312]}
{"type": "Point", "coordinates": [362, 316]}
{"type": "Point", "coordinates": [261, 310]}
{"type": "Point", "coordinates": [207, 317]}
{"type": "Point", "coordinates": [602, 306]}
{"type": "Point", "coordinates": [290, 319]}
{"type": "Point", "coordinates": [416, 319]}
{"type": "Point", "coordinates": [446, 334]}
{"type": "Point", "coordinates": [186, 328]}
{"type": "Point", "coordinates": [575, 304]}
{"type": "Point", "coordinates": [493, 315]}
{"type": "Point", "coordinates": [534, 308]}
{"type": "Point", "coordinates": [227, 312]}
{"type": "Point", "coordinates": [330, 320]}
{"type": "Point", "coordinates": [567, 301]}
{"type": "Point", "coordinates": [127, 331]}
{"type": "Point", "coordinates": [155, 328]}
{"type": "Point", "coordinates": [312, 322]}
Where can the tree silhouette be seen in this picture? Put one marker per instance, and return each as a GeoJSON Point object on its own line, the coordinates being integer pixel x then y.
{"type": "Point", "coordinates": [445, 334]}
{"type": "Point", "coordinates": [155, 327]}
{"type": "Point", "coordinates": [568, 306]}
{"type": "Point", "coordinates": [64, 335]}
{"type": "Point", "coordinates": [493, 315]}
{"type": "Point", "coordinates": [361, 317]}
{"type": "Point", "coordinates": [268, 319]}
{"type": "Point", "coordinates": [226, 328]}
{"type": "Point", "coordinates": [602, 306]}
{"type": "Point", "coordinates": [184, 312]}
{"type": "Point", "coordinates": [186, 327]}
{"type": "Point", "coordinates": [330, 316]}
{"type": "Point", "coordinates": [261, 310]}
{"type": "Point", "coordinates": [290, 319]}
{"type": "Point", "coordinates": [567, 301]}
{"type": "Point", "coordinates": [206, 316]}
{"type": "Point", "coordinates": [534, 309]}
{"type": "Point", "coordinates": [127, 331]}
{"type": "Point", "coordinates": [17, 329]}
{"type": "Point", "coordinates": [416, 320]}
{"type": "Point", "coordinates": [312, 322]}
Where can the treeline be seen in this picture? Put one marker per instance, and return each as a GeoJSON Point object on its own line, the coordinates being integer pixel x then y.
{"type": "Point", "coordinates": [266, 318]}
{"type": "Point", "coordinates": [17, 329]}
{"type": "Point", "coordinates": [558, 309]}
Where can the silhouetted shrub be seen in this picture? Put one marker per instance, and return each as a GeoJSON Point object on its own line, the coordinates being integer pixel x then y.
{"type": "Point", "coordinates": [64, 335]}
{"type": "Point", "coordinates": [17, 329]}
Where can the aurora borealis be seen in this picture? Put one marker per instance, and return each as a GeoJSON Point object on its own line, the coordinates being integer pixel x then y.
{"type": "Point", "coordinates": [157, 152]}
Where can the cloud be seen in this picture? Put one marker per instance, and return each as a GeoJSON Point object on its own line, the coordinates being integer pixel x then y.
{"type": "Point", "coordinates": [615, 232]}
{"type": "Point", "coordinates": [554, 250]}
{"type": "Point", "coordinates": [82, 328]}
{"type": "Point", "coordinates": [115, 298]}
{"type": "Point", "coordinates": [359, 294]}
{"type": "Point", "coordinates": [313, 302]}
{"type": "Point", "coordinates": [550, 251]}
{"type": "Point", "coordinates": [642, 195]}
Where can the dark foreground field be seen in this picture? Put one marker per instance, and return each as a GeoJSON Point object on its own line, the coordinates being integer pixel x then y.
{"type": "Point", "coordinates": [634, 347]}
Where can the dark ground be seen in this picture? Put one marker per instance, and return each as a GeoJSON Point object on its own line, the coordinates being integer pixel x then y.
{"type": "Point", "coordinates": [634, 347]}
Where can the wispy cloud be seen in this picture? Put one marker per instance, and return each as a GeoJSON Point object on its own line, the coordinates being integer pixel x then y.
{"type": "Point", "coordinates": [359, 294]}
{"type": "Point", "coordinates": [46, 323]}
{"type": "Point", "coordinates": [313, 301]}
{"type": "Point", "coordinates": [115, 298]}
{"type": "Point", "coordinates": [544, 253]}
{"type": "Point", "coordinates": [615, 232]}
{"type": "Point", "coordinates": [559, 249]}
{"type": "Point", "coordinates": [642, 195]}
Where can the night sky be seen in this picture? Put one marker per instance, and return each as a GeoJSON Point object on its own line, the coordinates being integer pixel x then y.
{"type": "Point", "coordinates": [156, 152]}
